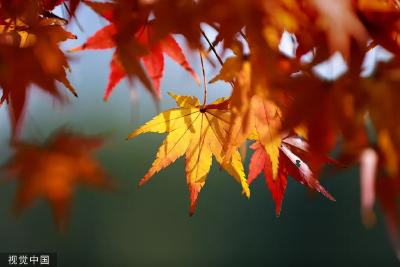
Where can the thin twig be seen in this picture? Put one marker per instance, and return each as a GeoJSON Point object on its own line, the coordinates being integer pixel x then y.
{"type": "Point", "coordinates": [243, 35]}
{"type": "Point", "coordinates": [212, 48]}
{"type": "Point", "coordinates": [78, 24]}
{"type": "Point", "coordinates": [204, 80]}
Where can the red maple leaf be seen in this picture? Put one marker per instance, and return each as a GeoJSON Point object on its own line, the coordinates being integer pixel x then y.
{"type": "Point", "coordinates": [150, 53]}
{"type": "Point", "coordinates": [289, 164]}
{"type": "Point", "coordinates": [32, 57]}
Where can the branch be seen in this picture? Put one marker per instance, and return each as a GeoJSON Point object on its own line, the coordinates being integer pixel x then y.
{"type": "Point", "coordinates": [212, 48]}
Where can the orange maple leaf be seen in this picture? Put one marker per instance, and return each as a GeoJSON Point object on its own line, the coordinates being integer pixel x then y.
{"type": "Point", "coordinates": [53, 170]}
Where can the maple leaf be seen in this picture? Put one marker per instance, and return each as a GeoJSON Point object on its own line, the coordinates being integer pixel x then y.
{"type": "Point", "coordinates": [53, 170]}
{"type": "Point", "coordinates": [341, 25]}
{"type": "Point", "coordinates": [33, 57]}
{"type": "Point", "coordinates": [253, 107]}
{"type": "Point", "coordinates": [326, 110]}
{"type": "Point", "coordinates": [273, 94]}
{"type": "Point", "coordinates": [198, 132]}
{"type": "Point", "coordinates": [267, 123]}
{"type": "Point", "coordinates": [289, 164]}
{"type": "Point", "coordinates": [29, 10]}
{"type": "Point", "coordinates": [151, 53]}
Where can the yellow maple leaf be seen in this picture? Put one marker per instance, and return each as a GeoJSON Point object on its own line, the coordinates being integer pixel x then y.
{"type": "Point", "coordinates": [198, 132]}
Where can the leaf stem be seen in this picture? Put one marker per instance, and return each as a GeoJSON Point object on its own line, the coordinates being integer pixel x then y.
{"type": "Point", "coordinates": [204, 80]}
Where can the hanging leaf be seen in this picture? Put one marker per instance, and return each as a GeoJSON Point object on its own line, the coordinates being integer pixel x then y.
{"type": "Point", "coordinates": [198, 132]}
{"type": "Point", "coordinates": [289, 164]}
{"type": "Point", "coordinates": [126, 62]}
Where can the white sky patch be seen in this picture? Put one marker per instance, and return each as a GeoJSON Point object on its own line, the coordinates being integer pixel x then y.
{"type": "Point", "coordinates": [332, 68]}
{"type": "Point", "coordinates": [58, 11]}
{"type": "Point", "coordinates": [288, 44]}
{"type": "Point", "coordinates": [373, 57]}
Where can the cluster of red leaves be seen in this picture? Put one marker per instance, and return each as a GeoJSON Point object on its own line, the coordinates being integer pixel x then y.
{"type": "Point", "coordinates": [293, 115]}
{"type": "Point", "coordinates": [30, 53]}
{"type": "Point", "coordinates": [142, 46]}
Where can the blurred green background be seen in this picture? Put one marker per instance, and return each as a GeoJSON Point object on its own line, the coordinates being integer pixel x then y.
{"type": "Point", "coordinates": [150, 226]}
